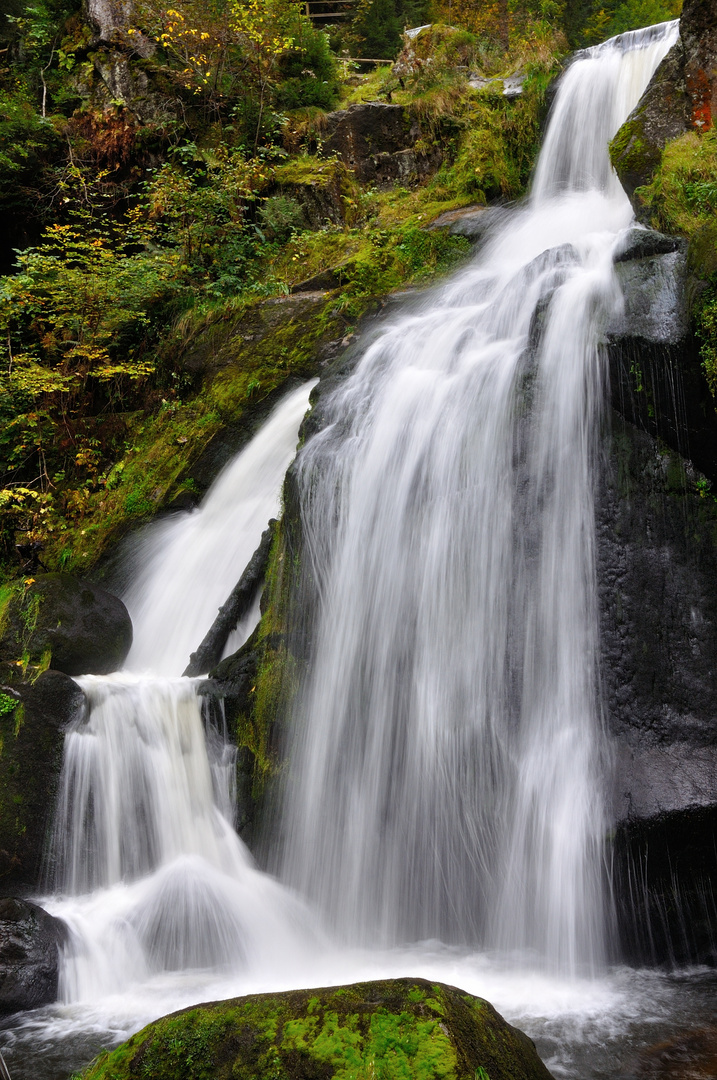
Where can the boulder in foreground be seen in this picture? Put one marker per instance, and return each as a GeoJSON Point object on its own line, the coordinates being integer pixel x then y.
{"type": "Point", "coordinates": [397, 1029]}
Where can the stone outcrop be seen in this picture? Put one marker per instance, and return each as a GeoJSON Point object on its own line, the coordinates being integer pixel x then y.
{"type": "Point", "coordinates": [324, 191]}
{"type": "Point", "coordinates": [30, 941]}
{"type": "Point", "coordinates": [380, 143]}
{"type": "Point", "coordinates": [234, 609]}
{"type": "Point", "coordinates": [394, 1028]}
{"type": "Point", "coordinates": [58, 621]}
{"type": "Point", "coordinates": [682, 96]}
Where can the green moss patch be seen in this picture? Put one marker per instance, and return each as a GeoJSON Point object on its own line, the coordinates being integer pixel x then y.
{"type": "Point", "coordinates": [400, 1029]}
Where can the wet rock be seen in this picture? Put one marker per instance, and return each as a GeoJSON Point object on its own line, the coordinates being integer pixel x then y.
{"type": "Point", "coordinates": [656, 375]}
{"type": "Point", "coordinates": [473, 222]}
{"type": "Point", "coordinates": [396, 1027]}
{"type": "Point", "coordinates": [30, 941]}
{"type": "Point", "coordinates": [654, 289]}
{"type": "Point", "coordinates": [640, 243]}
{"type": "Point", "coordinates": [682, 96]}
{"type": "Point", "coordinates": [657, 574]}
{"type": "Point", "coordinates": [662, 113]}
{"type": "Point", "coordinates": [31, 741]}
{"type": "Point", "coordinates": [691, 1055]}
{"type": "Point", "coordinates": [378, 143]}
{"type": "Point", "coordinates": [236, 607]}
{"type": "Point", "coordinates": [64, 623]}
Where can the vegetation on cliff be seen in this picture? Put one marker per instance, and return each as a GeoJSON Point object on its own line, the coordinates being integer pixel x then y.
{"type": "Point", "coordinates": [166, 173]}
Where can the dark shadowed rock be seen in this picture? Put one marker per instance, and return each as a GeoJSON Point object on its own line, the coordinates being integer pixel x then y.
{"type": "Point", "coordinates": [69, 625]}
{"type": "Point", "coordinates": [235, 608]}
{"type": "Point", "coordinates": [30, 941]}
{"type": "Point", "coordinates": [657, 574]}
{"type": "Point", "coordinates": [396, 1028]}
{"type": "Point", "coordinates": [32, 738]}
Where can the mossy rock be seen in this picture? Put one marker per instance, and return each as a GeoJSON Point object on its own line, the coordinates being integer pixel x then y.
{"type": "Point", "coordinates": [325, 191]}
{"type": "Point", "coordinates": [58, 621]}
{"type": "Point", "coordinates": [397, 1029]}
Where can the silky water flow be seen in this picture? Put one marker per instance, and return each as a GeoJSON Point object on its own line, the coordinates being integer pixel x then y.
{"type": "Point", "coordinates": [444, 813]}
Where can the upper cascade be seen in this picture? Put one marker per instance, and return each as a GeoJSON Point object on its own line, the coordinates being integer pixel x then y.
{"type": "Point", "coordinates": [597, 93]}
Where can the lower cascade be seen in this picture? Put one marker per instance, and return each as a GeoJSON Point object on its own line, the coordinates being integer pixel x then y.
{"type": "Point", "coordinates": [443, 809]}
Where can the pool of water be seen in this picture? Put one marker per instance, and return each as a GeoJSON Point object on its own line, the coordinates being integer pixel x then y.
{"type": "Point", "coordinates": [589, 1029]}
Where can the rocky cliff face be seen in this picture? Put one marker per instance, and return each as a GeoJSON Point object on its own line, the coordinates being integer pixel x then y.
{"type": "Point", "coordinates": [682, 96]}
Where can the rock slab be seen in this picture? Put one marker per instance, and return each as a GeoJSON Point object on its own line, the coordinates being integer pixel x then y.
{"type": "Point", "coordinates": [394, 1029]}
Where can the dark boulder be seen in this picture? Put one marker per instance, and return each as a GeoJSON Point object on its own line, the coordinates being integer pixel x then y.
{"type": "Point", "coordinates": [234, 609]}
{"type": "Point", "coordinates": [394, 1028]}
{"type": "Point", "coordinates": [682, 96]}
{"type": "Point", "coordinates": [69, 625]}
{"type": "Point", "coordinates": [33, 719]}
{"type": "Point", "coordinates": [30, 942]}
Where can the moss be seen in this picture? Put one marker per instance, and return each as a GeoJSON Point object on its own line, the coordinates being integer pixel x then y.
{"type": "Point", "coordinates": [629, 152]}
{"type": "Point", "coordinates": [682, 194]}
{"type": "Point", "coordinates": [242, 356]}
{"type": "Point", "coordinates": [682, 198]}
{"type": "Point", "coordinates": [402, 1029]}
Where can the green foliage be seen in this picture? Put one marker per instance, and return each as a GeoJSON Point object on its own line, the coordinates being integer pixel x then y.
{"type": "Point", "coordinates": [308, 71]}
{"type": "Point", "coordinates": [682, 195]}
{"type": "Point", "coordinates": [280, 216]}
{"type": "Point", "coordinates": [616, 18]}
{"type": "Point", "coordinates": [377, 29]}
{"type": "Point", "coordinates": [682, 198]}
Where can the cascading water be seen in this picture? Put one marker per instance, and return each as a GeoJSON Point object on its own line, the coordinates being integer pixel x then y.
{"type": "Point", "coordinates": [188, 563]}
{"type": "Point", "coordinates": [449, 763]}
{"type": "Point", "coordinates": [150, 874]}
{"type": "Point", "coordinates": [447, 775]}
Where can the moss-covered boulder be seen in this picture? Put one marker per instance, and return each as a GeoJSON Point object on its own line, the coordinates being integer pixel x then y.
{"type": "Point", "coordinates": [398, 1029]}
{"type": "Point", "coordinates": [58, 621]}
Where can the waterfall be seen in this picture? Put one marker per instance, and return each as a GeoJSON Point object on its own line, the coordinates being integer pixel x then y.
{"type": "Point", "coordinates": [189, 562]}
{"type": "Point", "coordinates": [448, 767]}
{"type": "Point", "coordinates": [147, 869]}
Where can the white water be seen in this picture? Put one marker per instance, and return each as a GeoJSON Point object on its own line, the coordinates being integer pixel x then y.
{"type": "Point", "coordinates": [190, 562]}
{"type": "Point", "coordinates": [448, 771]}
{"type": "Point", "coordinates": [448, 781]}
{"type": "Point", "coordinates": [149, 872]}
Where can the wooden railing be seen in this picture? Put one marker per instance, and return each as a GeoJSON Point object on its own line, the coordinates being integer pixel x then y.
{"type": "Point", "coordinates": [327, 10]}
